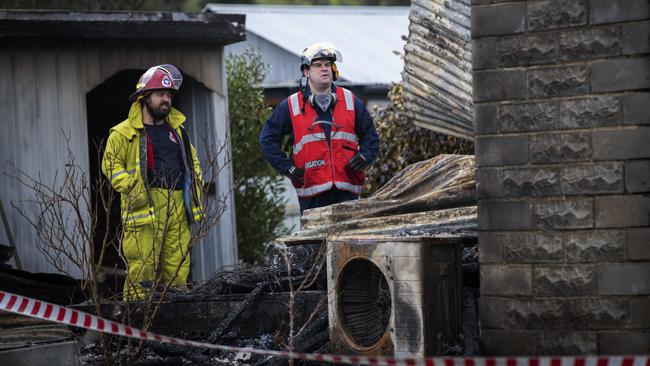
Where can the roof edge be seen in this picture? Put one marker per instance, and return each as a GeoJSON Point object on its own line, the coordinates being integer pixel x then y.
{"type": "Point", "coordinates": [282, 8]}
{"type": "Point", "coordinates": [122, 25]}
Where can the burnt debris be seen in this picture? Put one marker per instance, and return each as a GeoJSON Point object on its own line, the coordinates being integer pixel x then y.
{"type": "Point", "coordinates": [419, 228]}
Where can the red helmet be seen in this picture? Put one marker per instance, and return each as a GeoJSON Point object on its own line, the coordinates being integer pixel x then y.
{"type": "Point", "coordinates": [166, 77]}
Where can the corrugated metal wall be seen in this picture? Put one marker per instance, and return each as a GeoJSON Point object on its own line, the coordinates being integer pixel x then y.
{"type": "Point", "coordinates": [199, 105]}
{"type": "Point", "coordinates": [43, 90]}
{"type": "Point", "coordinates": [437, 73]}
{"type": "Point", "coordinates": [41, 98]}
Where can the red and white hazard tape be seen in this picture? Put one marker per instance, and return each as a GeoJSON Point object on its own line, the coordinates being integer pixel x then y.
{"type": "Point", "coordinates": [59, 314]}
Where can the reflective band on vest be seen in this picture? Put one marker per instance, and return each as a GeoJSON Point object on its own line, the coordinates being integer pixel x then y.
{"type": "Point", "coordinates": [306, 139]}
{"type": "Point", "coordinates": [349, 187]}
{"type": "Point", "coordinates": [349, 102]}
{"type": "Point", "coordinates": [295, 104]}
{"type": "Point", "coordinates": [345, 136]}
{"type": "Point", "coordinates": [314, 190]}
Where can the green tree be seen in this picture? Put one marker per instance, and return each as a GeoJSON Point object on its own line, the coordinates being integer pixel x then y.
{"type": "Point", "coordinates": [403, 143]}
{"type": "Point", "coordinates": [259, 202]}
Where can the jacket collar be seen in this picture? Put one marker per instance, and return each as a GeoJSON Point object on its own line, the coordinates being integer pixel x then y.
{"type": "Point", "coordinates": [134, 121]}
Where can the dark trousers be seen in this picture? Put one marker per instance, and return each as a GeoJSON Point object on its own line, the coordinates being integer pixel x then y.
{"type": "Point", "coordinates": [325, 199]}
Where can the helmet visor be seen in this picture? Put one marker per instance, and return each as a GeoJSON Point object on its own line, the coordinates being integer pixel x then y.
{"type": "Point", "coordinates": [158, 77]}
{"type": "Point", "coordinates": [174, 73]}
{"type": "Point", "coordinates": [323, 50]}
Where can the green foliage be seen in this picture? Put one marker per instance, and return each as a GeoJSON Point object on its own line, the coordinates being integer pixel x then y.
{"type": "Point", "coordinates": [403, 143]}
{"type": "Point", "coordinates": [258, 188]}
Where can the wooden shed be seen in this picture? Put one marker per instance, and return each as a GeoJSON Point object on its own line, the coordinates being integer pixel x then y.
{"type": "Point", "coordinates": [70, 74]}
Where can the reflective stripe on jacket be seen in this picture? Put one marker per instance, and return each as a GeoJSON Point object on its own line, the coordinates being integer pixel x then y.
{"type": "Point", "coordinates": [325, 163]}
{"type": "Point", "coordinates": [125, 165]}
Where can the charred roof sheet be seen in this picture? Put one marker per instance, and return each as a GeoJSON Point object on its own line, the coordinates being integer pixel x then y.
{"type": "Point", "coordinates": [370, 38]}
{"type": "Point", "coordinates": [437, 74]}
{"type": "Point", "coordinates": [122, 25]}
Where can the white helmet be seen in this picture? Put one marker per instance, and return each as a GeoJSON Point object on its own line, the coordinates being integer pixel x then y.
{"type": "Point", "coordinates": [318, 51]}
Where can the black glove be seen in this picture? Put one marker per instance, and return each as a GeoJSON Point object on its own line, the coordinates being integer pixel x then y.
{"type": "Point", "coordinates": [296, 174]}
{"type": "Point", "coordinates": [358, 162]}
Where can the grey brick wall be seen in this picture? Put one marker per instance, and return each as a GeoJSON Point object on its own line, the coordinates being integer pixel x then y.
{"type": "Point", "coordinates": [562, 123]}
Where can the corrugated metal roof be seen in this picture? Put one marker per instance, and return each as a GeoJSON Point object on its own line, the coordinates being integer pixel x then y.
{"type": "Point", "coordinates": [369, 37]}
{"type": "Point", "coordinates": [437, 75]}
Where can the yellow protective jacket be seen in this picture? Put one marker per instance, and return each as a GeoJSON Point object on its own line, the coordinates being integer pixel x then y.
{"type": "Point", "coordinates": [125, 165]}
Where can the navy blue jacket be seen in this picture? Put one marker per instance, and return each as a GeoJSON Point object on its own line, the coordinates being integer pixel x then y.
{"type": "Point", "coordinates": [279, 125]}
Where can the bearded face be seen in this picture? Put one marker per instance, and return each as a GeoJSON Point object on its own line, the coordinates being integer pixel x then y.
{"type": "Point", "coordinates": [158, 104]}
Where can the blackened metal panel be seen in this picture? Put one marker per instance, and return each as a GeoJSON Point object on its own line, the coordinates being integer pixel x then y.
{"type": "Point", "coordinates": [424, 275]}
{"type": "Point", "coordinates": [219, 247]}
{"type": "Point", "coordinates": [443, 299]}
{"type": "Point", "coordinates": [437, 74]}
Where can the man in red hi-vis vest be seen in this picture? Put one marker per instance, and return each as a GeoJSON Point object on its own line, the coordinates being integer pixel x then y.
{"type": "Point", "coordinates": [333, 136]}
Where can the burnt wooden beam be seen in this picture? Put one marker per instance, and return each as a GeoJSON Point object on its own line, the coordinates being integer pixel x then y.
{"type": "Point", "coordinates": [266, 313]}
{"type": "Point", "coordinates": [215, 335]}
{"type": "Point", "coordinates": [53, 287]}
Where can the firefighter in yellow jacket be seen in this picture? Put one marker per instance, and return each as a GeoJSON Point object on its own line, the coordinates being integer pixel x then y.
{"type": "Point", "coordinates": [149, 160]}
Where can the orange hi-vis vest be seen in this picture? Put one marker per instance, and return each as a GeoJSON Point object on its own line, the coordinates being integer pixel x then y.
{"type": "Point", "coordinates": [325, 164]}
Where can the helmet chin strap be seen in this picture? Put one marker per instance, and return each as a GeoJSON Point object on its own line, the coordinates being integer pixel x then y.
{"type": "Point", "coordinates": [303, 91]}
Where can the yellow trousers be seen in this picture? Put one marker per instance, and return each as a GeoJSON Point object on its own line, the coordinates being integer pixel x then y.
{"type": "Point", "coordinates": [154, 252]}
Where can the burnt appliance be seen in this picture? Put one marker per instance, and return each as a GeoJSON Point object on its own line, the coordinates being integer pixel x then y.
{"type": "Point", "coordinates": [394, 296]}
